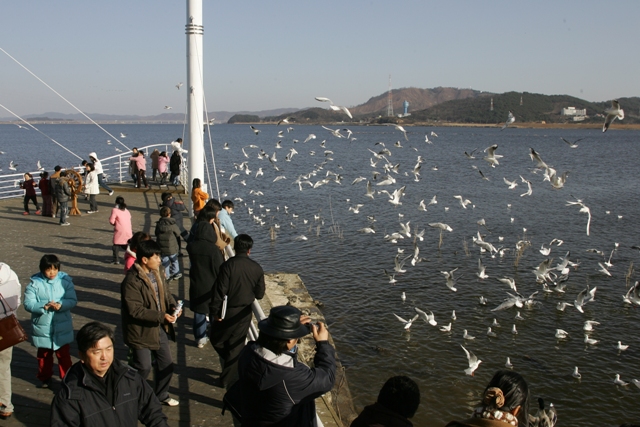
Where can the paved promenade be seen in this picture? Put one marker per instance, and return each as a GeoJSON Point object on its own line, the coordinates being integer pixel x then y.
{"type": "Point", "coordinates": [84, 249]}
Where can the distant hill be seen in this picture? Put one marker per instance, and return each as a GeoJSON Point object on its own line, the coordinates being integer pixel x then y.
{"type": "Point", "coordinates": [535, 108]}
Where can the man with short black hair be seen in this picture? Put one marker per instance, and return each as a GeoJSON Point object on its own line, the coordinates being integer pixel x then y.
{"type": "Point", "coordinates": [273, 387]}
{"type": "Point", "coordinates": [148, 314]}
{"type": "Point", "coordinates": [99, 390]}
{"type": "Point", "coordinates": [398, 401]}
{"type": "Point", "coordinates": [240, 280]}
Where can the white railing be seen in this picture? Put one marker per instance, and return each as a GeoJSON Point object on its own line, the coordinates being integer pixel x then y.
{"type": "Point", "coordinates": [115, 168]}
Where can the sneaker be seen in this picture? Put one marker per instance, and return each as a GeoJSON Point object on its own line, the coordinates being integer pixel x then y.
{"type": "Point", "coordinates": [38, 212]}
{"type": "Point", "coordinates": [176, 276]}
{"type": "Point", "coordinates": [111, 193]}
{"type": "Point", "coordinates": [170, 402]}
{"type": "Point", "coordinates": [202, 342]}
{"type": "Point", "coordinates": [25, 213]}
{"type": "Point", "coordinates": [65, 224]}
{"type": "Point", "coordinates": [45, 384]}
{"type": "Point", "coordinates": [90, 212]}
{"type": "Point", "coordinates": [115, 262]}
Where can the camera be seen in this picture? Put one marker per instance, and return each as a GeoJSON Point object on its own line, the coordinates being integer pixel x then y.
{"type": "Point", "coordinates": [310, 326]}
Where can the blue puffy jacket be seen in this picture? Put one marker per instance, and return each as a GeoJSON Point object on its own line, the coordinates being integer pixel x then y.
{"type": "Point", "coordinates": [50, 329]}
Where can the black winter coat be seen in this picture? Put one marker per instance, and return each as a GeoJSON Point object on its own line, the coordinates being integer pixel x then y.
{"type": "Point", "coordinates": [167, 235]}
{"type": "Point", "coordinates": [176, 212]}
{"type": "Point", "coordinates": [241, 279]}
{"type": "Point", "coordinates": [82, 402]}
{"type": "Point", "coordinates": [174, 163]}
{"type": "Point", "coordinates": [62, 190]}
{"type": "Point", "coordinates": [206, 259]}
{"type": "Point", "coordinates": [277, 395]}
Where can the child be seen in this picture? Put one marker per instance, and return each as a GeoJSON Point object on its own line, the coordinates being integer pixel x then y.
{"type": "Point", "coordinates": [130, 256]}
{"type": "Point", "coordinates": [122, 230]}
{"type": "Point", "coordinates": [198, 197]}
{"type": "Point", "coordinates": [49, 297]}
{"type": "Point", "coordinates": [167, 233]}
{"type": "Point", "coordinates": [29, 187]}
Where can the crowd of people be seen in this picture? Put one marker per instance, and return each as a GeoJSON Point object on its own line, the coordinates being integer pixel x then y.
{"type": "Point", "coordinates": [57, 190]}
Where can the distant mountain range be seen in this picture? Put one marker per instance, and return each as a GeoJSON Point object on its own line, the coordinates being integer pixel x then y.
{"type": "Point", "coordinates": [426, 106]}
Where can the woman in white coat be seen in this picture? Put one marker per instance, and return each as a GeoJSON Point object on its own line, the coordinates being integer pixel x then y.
{"type": "Point", "coordinates": [10, 291]}
{"type": "Point", "coordinates": [91, 187]}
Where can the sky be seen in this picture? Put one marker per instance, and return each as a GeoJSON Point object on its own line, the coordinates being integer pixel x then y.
{"type": "Point", "coordinates": [125, 57]}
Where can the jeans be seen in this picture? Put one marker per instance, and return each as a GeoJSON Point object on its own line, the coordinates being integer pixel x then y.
{"type": "Point", "coordinates": [102, 183]}
{"type": "Point", "coordinates": [64, 211]}
{"type": "Point", "coordinates": [93, 204]}
{"type": "Point", "coordinates": [199, 326]}
{"type": "Point", "coordinates": [170, 264]}
{"type": "Point", "coordinates": [162, 367]}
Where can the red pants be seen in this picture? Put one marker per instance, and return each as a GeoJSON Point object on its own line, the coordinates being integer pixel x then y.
{"type": "Point", "coordinates": [45, 362]}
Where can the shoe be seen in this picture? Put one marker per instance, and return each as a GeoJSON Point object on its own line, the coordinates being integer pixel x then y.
{"type": "Point", "coordinates": [115, 262]}
{"type": "Point", "coordinates": [38, 212]}
{"type": "Point", "coordinates": [111, 193]}
{"type": "Point", "coordinates": [176, 276]}
{"type": "Point", "coordinates": [45, 384]}
{"type": "Point", "coordinates": [90, 212]}
{"type": "Point", "coordinates": [170, 402]}
{"type": "Point", "coordinates": [5, 414]}
{"type": "Point", "coordinates": [25, 213]}
{"type": "Point", "coordinates": [202, 342]}
{"type": "Point", "coordinates": [65, 224]}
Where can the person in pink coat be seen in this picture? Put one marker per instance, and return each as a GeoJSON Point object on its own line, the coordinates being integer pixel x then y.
{"type": "Point", "coordinates": [141, 163]}
{"type": "Point", "coordinates": [122, 231]}
{"type": "Point", "coordinates": [163, 161]}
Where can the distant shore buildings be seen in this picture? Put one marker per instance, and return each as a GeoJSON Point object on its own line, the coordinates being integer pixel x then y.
{"type": "Point", "coordinates": [576, 115]}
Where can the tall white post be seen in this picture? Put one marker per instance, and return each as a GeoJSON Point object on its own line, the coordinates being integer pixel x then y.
{"type": "Point", "coordinates": [195, 91]}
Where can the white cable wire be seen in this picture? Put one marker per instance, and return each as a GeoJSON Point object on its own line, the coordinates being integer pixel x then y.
{"type": "Point", "coordinates": [37, 130]}
{"type": "Point", "coordinates": [68, 102]}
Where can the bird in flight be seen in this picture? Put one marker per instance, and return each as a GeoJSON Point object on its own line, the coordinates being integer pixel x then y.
{"type": "Point", "coordinates": [179, 85]}
{"type": "Point", "coordinates": [166, 107]}
{"type": "Point", "coordinates": [615, 112]}
{"type": "Point", "coordinates": [510, 119]}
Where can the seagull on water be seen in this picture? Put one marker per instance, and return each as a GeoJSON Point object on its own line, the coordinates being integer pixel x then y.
{"type": "Point", "coordinates": [561, 334]}
{"type": "Point", "coordinates": [576, 374]}
{"type": "Point", "coordinates": [474, 362]}
{"type": "Point", "coordinates": [407, 323]}
{"type": "Point", "coordinates": [615, 112]}
{"type": "Point", "coordinates": [621, 347]}
{"type": "Point", "coordinates": [618, 381]}
{"type": "Point", "coordinates": [590, 341]}
{"type": "Point", "coordinates": [446, 328]}
{"type": "Point", "coordinates": [466, 335]}
{"type": "Point", "coordinates": [429, 318]}
{"type": "Point", "coordinates": [490, 333]}
{"type": "Point", "coordinates": [508, 364]}
{"type": "Point", "coordinates": [589, 324]}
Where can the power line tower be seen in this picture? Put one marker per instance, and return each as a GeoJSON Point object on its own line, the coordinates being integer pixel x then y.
{"type": "Point", "coordinates": [389, 100]}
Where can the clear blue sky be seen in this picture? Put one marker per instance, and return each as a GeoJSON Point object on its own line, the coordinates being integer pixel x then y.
{"type": "Point", "coordinates": [124, 57]}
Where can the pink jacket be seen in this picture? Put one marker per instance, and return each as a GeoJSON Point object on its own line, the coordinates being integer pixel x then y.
{"type": "Point", "coordinates": [121, 221]}
{"type": "Point", "coordinates": [162, 163]}
{"type": "Point", "coordinates": [141, 162]}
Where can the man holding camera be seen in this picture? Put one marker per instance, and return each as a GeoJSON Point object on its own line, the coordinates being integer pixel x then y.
{"type": "Point", "coordinates": [274, 388]}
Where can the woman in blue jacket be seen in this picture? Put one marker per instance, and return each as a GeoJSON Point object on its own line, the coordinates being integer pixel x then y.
{"type": "Point", "coordinates": [49, 297]}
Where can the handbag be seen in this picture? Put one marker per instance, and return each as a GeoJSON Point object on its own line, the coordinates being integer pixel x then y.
{"type": "Point", "coordinates": [11, 332]}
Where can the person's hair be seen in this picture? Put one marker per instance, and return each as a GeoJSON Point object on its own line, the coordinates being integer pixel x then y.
{"type": "Point", "coordinates": [147, 249]}
{"type": "Point", "coordinates": [242, 243]}
{"type": "Point", "coordinates": [27, 174]}
{"type": "Point", "coordinates": [120, 202]}
{"type": "Point", "coordinates": [401, 395]}
{"type": "Point", "coordinates": [134, 241]}
{"type": "Point", "coordinates": [91, 166]}
{"type": "Point", "coordinates": [515, 391]}
{"type": "Point", "coordinates": [165, 196]}
{"type": "Point", "coordinates": [215, 204]}
{"type": "Point", "coordinates": [91, 333]}
{"type": "Point", "coordinates": [165, 212]}
{"type": "Point", "coordinates": [84, 163]}
{"type": "Point", "coordinates": [44, 175]}
{"type": "Point", "coordinates": [57, 168]}
{"type": "Point", "coordinates": [196, 183]}
{"type": "Point", "coordinates": [179, 140]}
{"type": "Point", "coordinates": [206, 214]}
{"type": "Point", "coordinates": [63, 174]}
{"type": "Point", "coordinates": [135, 149]}
{"type": "Point", "coordinates": [48, 261]}
{"type": "Point", "coordinates": [276, 345]}
{"type": "Point", "coordinates": [227, 204]}
{"type": "Point", "coordinates": [93, 158]}
{"type": "Point", "coordinates": [164, 154]}
{"type": "Point", "coordinates": [141, 153]}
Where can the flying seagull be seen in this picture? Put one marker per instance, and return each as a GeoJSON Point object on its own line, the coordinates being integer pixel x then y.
{"type": "Point", "coordinates": [615, 112]}
{"type": "Point", "coordinates": [510, 119]}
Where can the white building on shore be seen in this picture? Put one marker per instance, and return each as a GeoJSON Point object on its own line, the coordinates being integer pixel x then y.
{"type": "Point", "coordinates": [576, 115]}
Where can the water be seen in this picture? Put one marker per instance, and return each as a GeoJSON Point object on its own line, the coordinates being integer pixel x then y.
{"type": "Point", "coordinates": [343, 267]}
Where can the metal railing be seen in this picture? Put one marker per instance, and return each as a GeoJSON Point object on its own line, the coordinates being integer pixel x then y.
{"type": "Point", "coordinates": [115, 169]}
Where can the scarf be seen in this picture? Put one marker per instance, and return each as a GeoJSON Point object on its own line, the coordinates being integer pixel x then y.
{"type": "Point", "coordinates": [495, 414]}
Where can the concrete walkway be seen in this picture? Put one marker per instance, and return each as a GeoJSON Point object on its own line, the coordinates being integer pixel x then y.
{"type": "Point", "coordinates": [84, 249]}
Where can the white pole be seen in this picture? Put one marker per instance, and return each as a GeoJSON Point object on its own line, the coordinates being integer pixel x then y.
{"type": "Point", "coordinates": [195, 91]}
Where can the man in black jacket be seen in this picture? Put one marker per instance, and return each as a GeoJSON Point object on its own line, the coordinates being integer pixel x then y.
{"type": "Point", "coordinates": [274, 388]}
{"type": "Point", "coordinates": [240, 280]}
{"type": "Point", "coordinates": [100, 391]}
